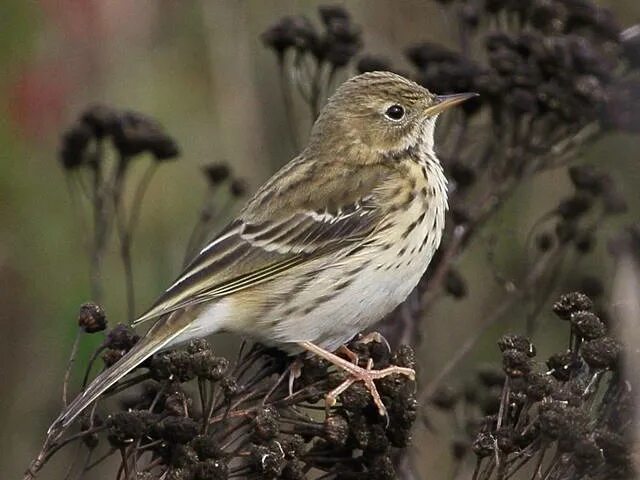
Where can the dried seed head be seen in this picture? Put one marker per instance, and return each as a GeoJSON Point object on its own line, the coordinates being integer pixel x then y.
{"type": "Point", "coordinates": [372, 63]}
{"type": "Point", "coordinates": [207, 446]}
{"type": "Point", "coordinates": [544, 241]}
{"type": "Point", "coordinates": [211, 469]}
{"type": "Point", "coordinates": [135, 133]}
{"type": "Point", "coordinates": [268, 460]}
{"type": "Point", "coordinates": [336, 430]}
{"type": "Point", "coordinates": [121, 337]}
{"type": "Point", "coordinates": [571, 302]}
{"type": "Point", "coordinates": [266, 424]}
{"type": "Point", "coordinates": [601, 352]}
{"type": "Point", "coordinates": [74, 146]}
{"type": "Point", "coordinates": [182, 456]}
{"type": "Point", "coordinates": [177, 429]}
{"type": "Point", "coordinates": [561, 365]}
{"type": "Point", "coordinates": [177, 402]}
{"type": "Point", "coordinates": [483, 445]}
{"type": "Point", "coordinates": [587, 178]}
{"type": "Point", "coordinates": [516, 363]}
{"type": "Point", "coordinates": [587, 456]}
{"type": "Point", "coordinates": [238, 188]}
{"type": "Point", "coordinates": [217, 173]}
{"type": "Point", "coordinates": [587, 325]}
{"type": "Point", "coordinates": [575, 206]}
{"type": "Point", "coordinates": [126, 427]}
{"type": "Point", "coordinates": [463, 175]}
{"type": "Point", "coordinates": [380, 466]}
{"type": "Point", "coordinates": [100, 119]}
{"type": "Point", "coordinates": [111, 355]}
{"type": "Point", "coordinates": [92, 318]}
{"type": "Point", "coordinates": [538, 386]}
{"type": "Point", "coordinates": [454, 284]}
{"type": "Point", "coordinates": [174, 364]}
{"type": "Point", "coordinates": [517, 342]}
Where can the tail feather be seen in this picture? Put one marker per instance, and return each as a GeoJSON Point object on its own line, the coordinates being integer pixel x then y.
{"type": "Point", "coordinates": [138, 354]}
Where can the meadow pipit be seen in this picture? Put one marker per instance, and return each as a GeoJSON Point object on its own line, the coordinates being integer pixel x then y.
{"type": "Point", "coordinates": [328, 246]}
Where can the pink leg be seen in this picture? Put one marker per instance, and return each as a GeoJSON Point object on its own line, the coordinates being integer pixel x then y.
{"type": "Point", "coordinates": [358, 374]}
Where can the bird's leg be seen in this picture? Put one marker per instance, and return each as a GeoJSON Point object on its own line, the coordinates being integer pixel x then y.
{"type": "Point", "coordinates": [358, 374]}
{"type": "Point", "coordinates": [295, 370]}
{"type": "Point", "coordinates": [351, 355]}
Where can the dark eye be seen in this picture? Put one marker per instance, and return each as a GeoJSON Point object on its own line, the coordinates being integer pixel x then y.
{"type": "Point", "coordinates": [395, 112]}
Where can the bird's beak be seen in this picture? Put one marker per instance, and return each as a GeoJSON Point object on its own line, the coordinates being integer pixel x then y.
{"type": "Point", "coordinates": [443, 102]}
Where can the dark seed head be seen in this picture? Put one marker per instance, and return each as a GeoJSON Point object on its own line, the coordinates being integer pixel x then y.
{"type": "Point", "coordinates": [538, 386]}
{"type": "Point", "coordinates": [216, 173]}
{"type": "Point", "coordinates": [266, 425]}
{"type": "Point", "coordinates": [100, 118]}
{"type": "Point", "coordinates": [571, 302]}
{"type": "Point", "coordinates": [601, 352]}
{"type": "Point", "coordinates": [372, 63]}
{"type": "Point", "coordinates": [238, 188]}
{"type": "Point", "coordinates": [575, 206]}
{"type": "Point", "coordinates": [561, 365]}
{"type": "Point", "coordinates": [517, 342]}
{"type": "Point", "coordinates": [483, 445]}
{"type": "Point", "coordinates": [587, 325]}
{"type": "Point", "coordinates": [92, 318]}
{"type": "Point", "coordinates": [178, 429]}
{"type": "Point", "coordinates": [74, 145]}
{"type": "Point", "coordinates": [516, 363]}
{"type": "Point", "coordinates": [455, 284]}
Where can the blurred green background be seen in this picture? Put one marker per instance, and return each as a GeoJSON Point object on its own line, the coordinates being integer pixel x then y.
{"type": "Point", "coordinates": [200, 69]}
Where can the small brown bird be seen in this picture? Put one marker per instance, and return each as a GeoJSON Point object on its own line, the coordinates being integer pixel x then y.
{"type": "Point", "coordinates": [328, 246]}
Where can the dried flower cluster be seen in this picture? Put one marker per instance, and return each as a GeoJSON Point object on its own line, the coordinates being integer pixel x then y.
{"type": "Point", "coordinates": [132, 134]}
{"type": "Point", "coordinates": [191, 415]}
{"type": "Point", "coordinates": [313, 57]}
{"type": "Point", "coordinates": [101, 179]}
{"type": "Point", "coordinates": [571, 416]}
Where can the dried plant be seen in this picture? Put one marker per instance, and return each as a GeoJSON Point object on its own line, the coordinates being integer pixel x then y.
{"type": "Point", "coordinates": [572, 416]}
{"type": "Point", "coordinates": [189, 414]}
{"type": "Point", "coordinates": [99, 177]}
{"type": "Point", "coordinates": [553, 77]}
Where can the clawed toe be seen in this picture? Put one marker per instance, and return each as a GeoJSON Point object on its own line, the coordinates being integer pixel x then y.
{"type": "Point", "coordinates": [357, 374]}
{"type": "Point", "coordinates": [367, 377]}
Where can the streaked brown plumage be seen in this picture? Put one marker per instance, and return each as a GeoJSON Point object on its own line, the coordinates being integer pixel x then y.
{"type": "Point", "coordinates": [329, 245]}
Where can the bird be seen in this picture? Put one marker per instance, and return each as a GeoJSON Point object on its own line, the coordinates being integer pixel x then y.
{"type": "Point", "coordinates": [329, 245]}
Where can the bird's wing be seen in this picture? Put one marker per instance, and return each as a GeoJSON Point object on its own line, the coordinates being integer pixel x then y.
{"type": "Point", "coordinates": [274, 233]}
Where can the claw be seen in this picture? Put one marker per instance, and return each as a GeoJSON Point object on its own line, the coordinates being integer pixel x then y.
{"type": "Point", "coordinates": [358, 374]}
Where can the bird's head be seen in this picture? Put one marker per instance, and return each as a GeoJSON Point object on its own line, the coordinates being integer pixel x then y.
{"type": "Point", "coordinates": [381, 112]}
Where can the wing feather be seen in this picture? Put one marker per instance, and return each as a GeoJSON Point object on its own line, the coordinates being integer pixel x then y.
{"type": "Point", "coordinates": [248, 254]}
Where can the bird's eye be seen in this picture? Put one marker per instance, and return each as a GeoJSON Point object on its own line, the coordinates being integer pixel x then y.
{"type": "Point", "coordinates": [395, 112]}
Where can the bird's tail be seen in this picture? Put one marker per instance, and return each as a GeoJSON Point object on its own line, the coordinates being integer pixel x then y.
{"type": "Point", "coordinates": [146, 347]}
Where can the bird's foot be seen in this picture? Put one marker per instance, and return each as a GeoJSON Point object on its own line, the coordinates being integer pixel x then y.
{"type": "Point", "coordinates": [357, 374]}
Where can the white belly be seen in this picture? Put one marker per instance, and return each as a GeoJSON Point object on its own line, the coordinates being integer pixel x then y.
{"type": "Point", "coordinates": [381, 279]}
